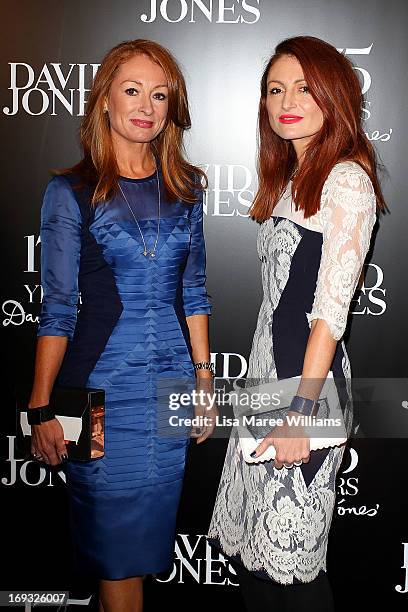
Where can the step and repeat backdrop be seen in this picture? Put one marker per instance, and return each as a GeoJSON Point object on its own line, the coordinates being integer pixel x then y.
{"type": "Point", "coordinates": [50, 52]}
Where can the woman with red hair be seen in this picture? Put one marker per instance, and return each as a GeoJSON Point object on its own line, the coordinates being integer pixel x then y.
{"type": "Point", "coordinates": [124, 227]}
{"type": "Point", "coordinates": [316, 203]}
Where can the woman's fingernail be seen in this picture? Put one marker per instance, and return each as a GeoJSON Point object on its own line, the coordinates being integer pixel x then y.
{"type": "Point", "coordinates": [253, 454]}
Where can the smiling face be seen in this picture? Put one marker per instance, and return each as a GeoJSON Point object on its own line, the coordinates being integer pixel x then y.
{"type": "Point", "coordinates": [137, 102]}
{"type": "Point", "coordinates": [293, 114]}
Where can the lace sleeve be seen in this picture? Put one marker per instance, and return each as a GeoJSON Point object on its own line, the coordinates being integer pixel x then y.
{"type": "Point", "coordinates": [348, 214]}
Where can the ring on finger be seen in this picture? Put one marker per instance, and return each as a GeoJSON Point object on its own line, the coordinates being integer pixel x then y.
{"type": "Point", "coordinates": [297, 463]}
{"type": "Point", "coordinates": [288, 466]}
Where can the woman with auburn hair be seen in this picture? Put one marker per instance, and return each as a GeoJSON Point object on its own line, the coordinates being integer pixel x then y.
{"type": "Point", "coordinates": [125, 228]}
{"type": "Point", "coordinates": [316, 203]}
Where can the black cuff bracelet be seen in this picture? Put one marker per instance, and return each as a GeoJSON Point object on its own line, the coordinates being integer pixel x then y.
{"type": "Point", "coordinates": [36, 416]}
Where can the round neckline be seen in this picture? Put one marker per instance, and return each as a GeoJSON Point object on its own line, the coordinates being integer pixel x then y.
{"type": "Point", "coordinates": [127, 179]}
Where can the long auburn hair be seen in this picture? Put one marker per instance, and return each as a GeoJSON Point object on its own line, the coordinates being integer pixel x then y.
{"type": "Point", "coordinates": [99, 166]}
{"type": "Point", "coordinates": [334, 85]}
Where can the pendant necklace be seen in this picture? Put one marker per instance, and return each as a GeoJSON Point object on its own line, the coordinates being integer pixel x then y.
{"type": "Point", "coordinates": [145, 251]}
{"type": "Point", "coordinates": [288, 190]}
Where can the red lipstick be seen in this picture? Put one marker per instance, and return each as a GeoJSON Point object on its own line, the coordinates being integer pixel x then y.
{"type": "Point", "coordinates": [142, 123]}
{"type": "Point", "coordinates": [290, 119]}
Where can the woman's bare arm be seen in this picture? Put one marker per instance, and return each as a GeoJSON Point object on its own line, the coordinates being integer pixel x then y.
{"type": "Point", "coordinates": [198, 330]}
{"type": "Point", "coordinates": [49, 355]}
{"type": "Point", "coordinates": [47, 438]}
{"type": "Point", "coordinates": [319, 354]}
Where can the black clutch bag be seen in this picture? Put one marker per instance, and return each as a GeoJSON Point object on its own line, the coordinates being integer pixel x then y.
{"type": "Point", "coordinates": [81, 412]}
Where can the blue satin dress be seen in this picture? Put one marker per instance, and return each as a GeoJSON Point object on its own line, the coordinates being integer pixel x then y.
{"type": "Point", "coordinates": [130, 331]}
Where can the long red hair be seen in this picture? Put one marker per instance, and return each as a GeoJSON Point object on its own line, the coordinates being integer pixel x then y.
{"type": "Point", "coordinates": [98, 165]}
{"type": "Point", "coordinates": [334, 85]}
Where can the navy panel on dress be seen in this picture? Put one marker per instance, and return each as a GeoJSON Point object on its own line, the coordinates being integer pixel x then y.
{"type": "Point", "coordinates": [101, 305]}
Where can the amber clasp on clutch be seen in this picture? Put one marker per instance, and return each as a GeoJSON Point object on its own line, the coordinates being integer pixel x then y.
{"type": "Point", "coordinates": [98, 433]}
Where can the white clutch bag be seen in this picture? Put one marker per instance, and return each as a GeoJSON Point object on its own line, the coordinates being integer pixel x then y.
{"type": "Point", "coordinates": [259, 409]}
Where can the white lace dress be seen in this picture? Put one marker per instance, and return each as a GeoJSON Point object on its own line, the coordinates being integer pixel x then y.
{"type": "Point", "coordinates": [270, 520]}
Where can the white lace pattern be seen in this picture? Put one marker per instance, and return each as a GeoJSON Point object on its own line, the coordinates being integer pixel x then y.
{"type": "Point", "coordinates": [276, 246]}
{"type": "Point", "coordinates": [348, 214]}
{"type": "Point", "coordinates": [269, 517]}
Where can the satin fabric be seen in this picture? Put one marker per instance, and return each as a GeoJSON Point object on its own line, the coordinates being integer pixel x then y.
{"type": "Point", "coordinates": [129, 335]}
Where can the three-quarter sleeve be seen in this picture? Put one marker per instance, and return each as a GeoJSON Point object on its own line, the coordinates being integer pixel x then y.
{"type": "Point", "coordinates": [195, 298]}
{"type": "Point", "coordinates": [60, 256]}
{"type": "Point", "coordinates": [349, 214]}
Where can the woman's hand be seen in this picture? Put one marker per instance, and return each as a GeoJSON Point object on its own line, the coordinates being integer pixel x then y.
{"type": "Point", "coordinates": [205, 410]}
{"type": "Point", "coordinates": [291, 444]}
{"type": "Point", "coordinates": [47, 440]}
